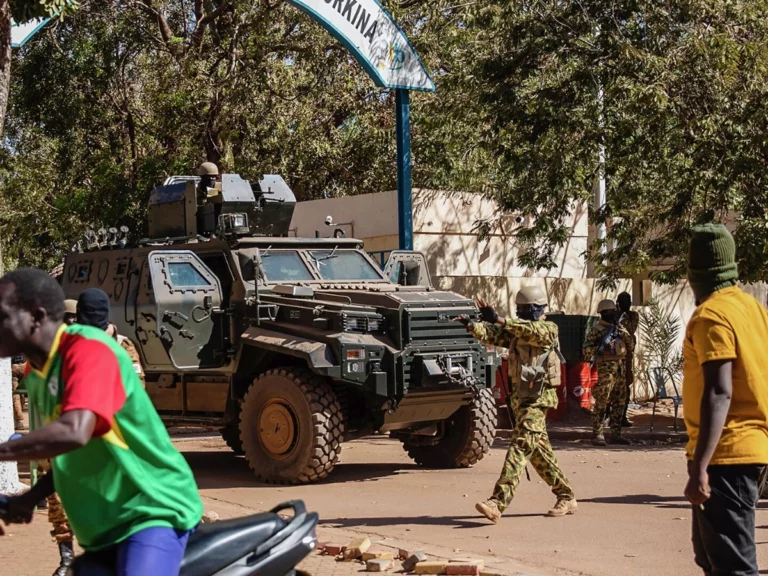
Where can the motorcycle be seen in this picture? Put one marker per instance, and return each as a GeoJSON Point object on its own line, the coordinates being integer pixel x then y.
{"type": "Point", "coordinates": [265, 544]}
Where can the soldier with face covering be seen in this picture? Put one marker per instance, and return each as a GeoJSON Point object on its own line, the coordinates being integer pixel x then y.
{"type": "Point", "coordinates": [93, 310]}
{"type": "Point", "coordinates": [534, 373]}
{"type": "Point", "coordinates": [630, 320]}
{"type": "Point", "coordinates": [611, 388]}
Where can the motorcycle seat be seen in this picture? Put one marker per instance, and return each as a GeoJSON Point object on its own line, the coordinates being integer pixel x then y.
{"type": "Point", "coordinates": [214, 546]}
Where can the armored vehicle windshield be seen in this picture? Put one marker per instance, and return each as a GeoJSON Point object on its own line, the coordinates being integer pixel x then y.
{"type": "Point", "coordinates": [323, 265]}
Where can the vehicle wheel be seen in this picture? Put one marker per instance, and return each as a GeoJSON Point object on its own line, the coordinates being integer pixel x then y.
{"type": "Point", "coordinates": [231, 435]}
{"type": "Point", "coordinates": [291, 427]}
{"type": "Point", "coordinates": [468, 436]}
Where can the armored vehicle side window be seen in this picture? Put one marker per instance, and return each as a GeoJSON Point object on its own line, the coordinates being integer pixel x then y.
{"type": "Point", "coordinates": [344, 265]}
{"type": "Point", "coordinates": [285, 266]}
{"type": "Point", "coordinates": [184, 274]}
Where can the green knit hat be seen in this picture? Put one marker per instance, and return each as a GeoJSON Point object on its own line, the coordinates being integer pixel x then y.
{"type": "Point", "coordinates": [711, 259]}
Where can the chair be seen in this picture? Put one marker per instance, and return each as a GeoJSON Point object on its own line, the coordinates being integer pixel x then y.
{"type": "Point", "coordinates": [657, 379]}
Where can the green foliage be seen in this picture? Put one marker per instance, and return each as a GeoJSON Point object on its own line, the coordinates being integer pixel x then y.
{"type": "Point", "coordinates": [125, 92]}
{"type": "Point", "coordinates": [682, 118]}
{"type": "Point", "coordinates": [660, 329]}
{"type": "Point", "coordinates": [25, 10]}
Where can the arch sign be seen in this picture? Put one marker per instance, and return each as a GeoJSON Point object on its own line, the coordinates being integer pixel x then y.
{"type": "Point", "coordinates": [21, 33]}
{"type": "Point", "coordinates": [368, 31]}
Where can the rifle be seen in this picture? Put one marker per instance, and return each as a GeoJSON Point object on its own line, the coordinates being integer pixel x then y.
{"type": "Point", "coordinates": [609, 336]}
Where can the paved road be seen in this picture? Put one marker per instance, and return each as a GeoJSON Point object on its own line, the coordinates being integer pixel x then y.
{"type": "Point", "coordinates": [632, 520]}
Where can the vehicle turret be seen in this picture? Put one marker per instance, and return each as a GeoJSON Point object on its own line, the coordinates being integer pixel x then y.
{"type": "Point", "coordinates": [232, 207]}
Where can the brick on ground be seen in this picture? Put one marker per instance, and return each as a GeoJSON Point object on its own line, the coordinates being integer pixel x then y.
{"type": "Point", "coordinates": [464, 568]}
{"type": "Point", "coordinates": [357, 548]}
{"type": "Point", "coordinates": [334, 549]}
{"type": "Point", "coordinates": [377, 554]}
{"type": "Point", "coordinates": [404, 554]}
{"type": "Point", "coordinates": [412, 560]}
{"type": "Point", "coordinates": [437, 567]}
{"type": "Point", "coordinates": [379, 565]}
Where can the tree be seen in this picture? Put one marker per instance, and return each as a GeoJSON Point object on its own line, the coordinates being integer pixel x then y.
{"type": "Point", "coordinates": [22, 11]}
{"type": "Point", "coordinates": [127, 92]}
{"type": "Point", "coordinates": [683, 119]}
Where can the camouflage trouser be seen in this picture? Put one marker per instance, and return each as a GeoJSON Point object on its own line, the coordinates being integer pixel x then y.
{"type": "Point", "coordinates": [630, 378]}
{"type": "Point", "coordinates": [526, 446]}
{"type": "Point", "coordinates": [18, 414]}
{"type": "Point", "coordinates": [62, 531]}
{"type": "Point", "coordinates": [611, 389]}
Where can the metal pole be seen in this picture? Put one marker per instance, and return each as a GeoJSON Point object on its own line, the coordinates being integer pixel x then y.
{"type": "Point", "coordinates": [404, 202]}
{"type": "Point", "coordinates": [600, 198]}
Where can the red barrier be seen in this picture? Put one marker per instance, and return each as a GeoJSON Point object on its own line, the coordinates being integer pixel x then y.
{"type": "Point", "coordinates": [580, 382]}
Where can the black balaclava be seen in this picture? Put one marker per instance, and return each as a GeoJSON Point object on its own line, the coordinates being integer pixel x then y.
{"type": "Point", "coordinates": [530, 312]}
{"type": "Point", "coordinates": [624, 301]}
{"type": "Point", "coordinates": [608, 316]}
{"type": "Point", "coordinates": [93, 308]}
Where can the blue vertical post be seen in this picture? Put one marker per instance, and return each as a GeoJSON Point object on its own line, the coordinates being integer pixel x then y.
{"type": "Point", "coordinates": [404, 202]}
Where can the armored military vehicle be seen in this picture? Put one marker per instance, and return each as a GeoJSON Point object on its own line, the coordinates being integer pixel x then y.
{"type": "Point", "coordinates": [289, 345]}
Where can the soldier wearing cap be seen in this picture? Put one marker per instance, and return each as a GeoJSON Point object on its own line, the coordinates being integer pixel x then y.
{"type": "Point", "coordinates": [534, 372]}
{"type": "Point", "coordinates": [611, 388]}
{"type": "Point", "coordinates": [70, 311]}
{"type": "Point", "coordinates": [209, 175]}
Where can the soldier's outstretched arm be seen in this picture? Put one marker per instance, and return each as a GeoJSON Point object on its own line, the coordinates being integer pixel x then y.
{"type": "Point", "coordinates": [493, 334]}
{"type": "Point", "coordinates": [539, 334]}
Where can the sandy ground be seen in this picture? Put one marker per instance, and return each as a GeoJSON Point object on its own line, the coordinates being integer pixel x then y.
{"type": "Point", "coordinates": [632, 519]}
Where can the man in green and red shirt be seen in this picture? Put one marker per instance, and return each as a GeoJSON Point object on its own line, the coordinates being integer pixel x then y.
{"type": "Point", "coordinates": [129, 495]}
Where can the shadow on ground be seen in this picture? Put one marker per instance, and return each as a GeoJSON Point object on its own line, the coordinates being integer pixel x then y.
{"type": "Point", "coordinates": [675, 502]}
{"type": "Point", "coordinates": [457, 522]}
{"type": "Point", "coordinates": [221, 469]}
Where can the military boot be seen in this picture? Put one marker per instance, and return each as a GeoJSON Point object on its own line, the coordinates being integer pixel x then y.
{"type": "Point", "coordinates": [598, 440]}
{"type": "Point", "coordinates": [67, 554]}
{"type": "Point", "coordinates": [563, 507]}
{"type": "Point", "coordinates": [489, 509]}
{"type": "Point", "coordinates": [618, 439]}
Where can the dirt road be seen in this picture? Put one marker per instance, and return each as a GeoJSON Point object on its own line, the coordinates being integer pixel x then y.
{"type": "Point", "coordinates": [632, 519]}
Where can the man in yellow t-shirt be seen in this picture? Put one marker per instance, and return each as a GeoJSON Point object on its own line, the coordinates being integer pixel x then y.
{"type": "Point", "coordinates": [725, 394]}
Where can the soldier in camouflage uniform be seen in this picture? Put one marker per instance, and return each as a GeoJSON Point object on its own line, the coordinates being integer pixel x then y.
{"type": "Point", "coordinates": [532, 345]}
{"type": "Point", "coordinates": [17, 375]}
{"type": "Point", "coordinates": [611, 388]}
{"type": "Point", "coordinates": [630, 320]}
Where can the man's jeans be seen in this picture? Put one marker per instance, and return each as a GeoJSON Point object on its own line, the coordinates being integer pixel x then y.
{"type": "Point", "coordinates": [724, 531]}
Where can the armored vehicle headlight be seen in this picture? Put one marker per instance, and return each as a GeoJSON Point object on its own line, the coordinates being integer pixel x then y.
{"type": "Point", "coordinates": [356, 367]}
{"type": "Point", "coordinates": [356, 354]}
{"type": "Point", "coordinates": [354, 323]}
{"type": "Point", "coordinates": [373, 324]}
{"type": "Point", "coordinates": [240, 221]}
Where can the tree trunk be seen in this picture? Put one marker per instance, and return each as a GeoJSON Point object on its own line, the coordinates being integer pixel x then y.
{"type": "Point", "coordinates": [9, 473]}
{"type": "Point", "coordinates": [5, 58]}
